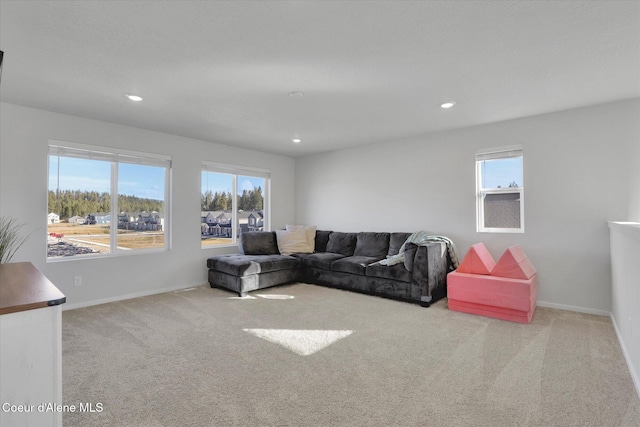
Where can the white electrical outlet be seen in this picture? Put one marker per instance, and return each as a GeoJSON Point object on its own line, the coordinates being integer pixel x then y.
{"type": "Point", "coordinates": [77, 281]}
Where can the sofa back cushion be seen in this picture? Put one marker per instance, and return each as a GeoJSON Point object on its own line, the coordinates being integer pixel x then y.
{"type": "Point", "coordinates": [322, 238]}
{"type": "Point", "coordinates": [293, 242]}
{"type": "Point", "coordinates": [342, 243]}
{"type": "Point", "coordinates": [372, 245]}
{"type": "Point", "coordinates": [258, 243]}
{"type": "Point", "coordinates": [310, 236]}
{"type": "Point", "coordinates": [396, 240]}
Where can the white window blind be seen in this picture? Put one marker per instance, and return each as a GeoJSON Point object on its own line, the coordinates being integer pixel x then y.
{"type": "Point", "coordinates": [499, 153]}
{"type": "Point", "coordinates": [113, 155]}
{"type": "Point", "coordinates": [235, 170]}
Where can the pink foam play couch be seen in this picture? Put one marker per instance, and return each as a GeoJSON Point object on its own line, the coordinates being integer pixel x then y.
{"type": "Point", "coordinates": [504, 290]}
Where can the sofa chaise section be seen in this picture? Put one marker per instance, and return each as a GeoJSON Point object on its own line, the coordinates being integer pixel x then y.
{"type": "Point", "coordinates": [246, 273]}
{"type": "Point", "coordinates": [258, 266]}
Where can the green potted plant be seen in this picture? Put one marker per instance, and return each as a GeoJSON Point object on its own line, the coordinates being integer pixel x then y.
{"type": "Point", "coordinates": [10, 238]}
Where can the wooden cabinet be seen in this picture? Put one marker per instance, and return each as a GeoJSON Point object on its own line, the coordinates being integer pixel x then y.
{"type": "Point", "coordinates": [30, 347]}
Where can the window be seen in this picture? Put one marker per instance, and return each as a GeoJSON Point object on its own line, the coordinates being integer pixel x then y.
{"type": "Point", "coordinates": [233, 200]}
{"type": "Point", "coordinates": [106, 202]}
{"type": "Point", "coordinates": [500, 190]}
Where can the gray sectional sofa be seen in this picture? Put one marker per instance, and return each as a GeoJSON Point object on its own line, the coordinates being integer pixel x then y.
{"type": "Point", "coordinates": [341, 260]}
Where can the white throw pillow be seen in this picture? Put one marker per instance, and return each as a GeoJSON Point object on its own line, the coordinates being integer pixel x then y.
{"type": "Point", "coordinates": [292, 242]}
{"type": "Point", "coordinates": [310, 231]}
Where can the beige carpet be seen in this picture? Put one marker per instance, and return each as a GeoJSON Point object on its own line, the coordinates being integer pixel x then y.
{"type": "Point", "coordinates": [201, 358]}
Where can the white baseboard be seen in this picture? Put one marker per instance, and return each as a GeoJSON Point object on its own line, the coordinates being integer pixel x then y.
{"type": "Point", "coordinates": [129, 296]}
{"type": "Point", "coordinates": [627, 357]}
{"type": "Point", "coordinates": [573, 308]}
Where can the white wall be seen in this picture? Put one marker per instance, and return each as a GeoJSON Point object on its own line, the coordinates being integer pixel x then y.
{"type": "Point", "coordinates": [634, 180]}
{"type": "Point", "coordinates": [23, 194]}
{"type": "Point", "coordinates": [581, 170]}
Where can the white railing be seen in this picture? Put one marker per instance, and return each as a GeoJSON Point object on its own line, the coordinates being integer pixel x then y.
{"type": "Point", "coordinates": [625, 291]}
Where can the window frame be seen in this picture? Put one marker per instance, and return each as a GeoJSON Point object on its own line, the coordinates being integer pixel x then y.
{"type": "Point", "coordinates": [235, 171]}
{"type": "Point", "coordinates": [116, 156]}
{"type": "Point", "coordinates": [514, 151]}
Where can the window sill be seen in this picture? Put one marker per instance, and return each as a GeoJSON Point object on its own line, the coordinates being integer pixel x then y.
{"type": "Point", "coordinates": [118, 254]}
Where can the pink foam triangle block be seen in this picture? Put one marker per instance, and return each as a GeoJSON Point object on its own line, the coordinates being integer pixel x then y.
{"type": "Point", "coordinates": [477, 261]}
{"type": "Point", "coordinates": [514, 264]}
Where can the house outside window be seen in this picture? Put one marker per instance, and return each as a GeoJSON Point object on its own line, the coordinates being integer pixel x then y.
{"type": "Point", "coordinates": [234, 199]}
{"type": "Point", "coordinates": [109, 201]}
{"type": "Point", "coordinates": [500, 190]}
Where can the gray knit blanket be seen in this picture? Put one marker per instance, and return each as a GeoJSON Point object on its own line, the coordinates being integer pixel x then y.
{"type": "Point", "coordinates": [421, 238]}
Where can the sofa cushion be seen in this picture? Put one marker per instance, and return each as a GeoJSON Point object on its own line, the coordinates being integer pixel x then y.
{"type": "Point", "coordinates": [374, 245]}
{"type": "Point", "coordinates": [396, 240]}
{"type": "Point", "coordinates": [321, 260]}
{"type": "Point", "coordinates": [244, 265]}
{"type": "Point", "coordinates": [310, 233]}
{"type": "Point", "coordinates": [322, 238]}
{"type": "Point", "coordinates": [291, 242]}
{"type": "Point", "coordinates": [258, 243]}
{"type": "Point", "coordinates": [342, 243]}
{"type": "Point", "coordinates": [392, 272]}
{"type": "Point", "coordinates": [353, 264]}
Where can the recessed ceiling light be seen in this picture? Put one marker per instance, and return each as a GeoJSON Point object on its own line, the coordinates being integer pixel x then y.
{"type": "Point", "coordinates": [447, 105]}
{"type": "Point", "coordinates": [296, 94]}
{"type": "Point", "coordinates": [133, 97]}
{"type": "Point", "coordinates": [297, 140]}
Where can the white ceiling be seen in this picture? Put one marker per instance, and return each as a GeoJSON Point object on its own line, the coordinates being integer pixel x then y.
{"type": "Point", "coordinates": [370, 71]}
